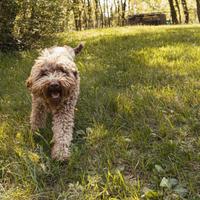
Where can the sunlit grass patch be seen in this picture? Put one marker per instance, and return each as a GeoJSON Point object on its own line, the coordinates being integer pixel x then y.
{"type": "Point", "coordinates": [17, 194]}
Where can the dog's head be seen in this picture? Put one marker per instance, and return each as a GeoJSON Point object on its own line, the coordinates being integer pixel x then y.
{"type": "Point", "coordinates": [54, 74]}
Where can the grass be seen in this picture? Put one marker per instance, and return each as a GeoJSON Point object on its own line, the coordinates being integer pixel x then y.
{"type": "Point", "coordinates": [137, 120]}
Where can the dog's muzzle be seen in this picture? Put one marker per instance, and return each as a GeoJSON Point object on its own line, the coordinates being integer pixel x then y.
{"type": "Point", "coordinates": [54, 91]}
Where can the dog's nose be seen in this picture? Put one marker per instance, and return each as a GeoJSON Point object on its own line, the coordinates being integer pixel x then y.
{"type": "Point", "coordinates": [54, 85]}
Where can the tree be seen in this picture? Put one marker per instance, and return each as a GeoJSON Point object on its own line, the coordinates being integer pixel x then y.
{"type": "Point", "coordinates": [77, 11]}
{"type": "Point", "coordinates": [8, 12]}
{"type": "Point", "coordinates": [198, 9]}
{"type": "Point", "coordinates": [102, 16]}
{"type": "Point", "coordinates": [178, 9]}
{"type": "Point", "coordinates": [108, 13]}
{"type": "Point", "coordinates": [37, 19]}
{"type": "Point", "coordinates": [85, 15]}
{"type": "Point", "coordinates": [96, 13]}
{"type": "Point", "coordinates": [173, 12]}
{"type": "Point", "coordinates": [117, 8]}
{"type": "Point", "coordinates": [89, 10]}
{"type": "Point", "coordinates": [29, 21]}
{"type": "Point", "coordinates": [123, 6]}
{"type": "Point", "coordinates": [185, 10]}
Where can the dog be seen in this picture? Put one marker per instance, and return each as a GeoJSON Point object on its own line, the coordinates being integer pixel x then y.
{"type": "Point", "coordinates": [54, 84]}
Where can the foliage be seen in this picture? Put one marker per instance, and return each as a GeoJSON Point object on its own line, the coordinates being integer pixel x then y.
{"type": "Point", "coordinates": [137, 120]}
{"type": "Point", "coordinates": [8, 12]}
{"type": "Point", "coordinates": [24, 22]}
{"type": "Point", "coordinates": [40, 18]}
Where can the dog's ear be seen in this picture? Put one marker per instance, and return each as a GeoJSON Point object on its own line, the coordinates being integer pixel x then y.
{"type": "Point", "coordinates": [78, 49]}
{"type": "Point", "coordinates": [29, 83]}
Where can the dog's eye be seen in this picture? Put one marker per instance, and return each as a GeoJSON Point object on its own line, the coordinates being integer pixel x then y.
{"type": "Point", "coordinates": [64, 71]}
{"type": "Point", "coordinates": [75, 73]}
{"type": "Point", "coordinates": [43, 73]}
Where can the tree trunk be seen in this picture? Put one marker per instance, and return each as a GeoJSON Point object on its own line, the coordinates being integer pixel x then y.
{"type": "Point", "coordinates": [108, 12]}
{"type": "Point", "coordinates": [102, 17]}
{"type": "Point", "coordinates": [123, 5]}
{"type": "Point", "coordinates": [111, 16]}
{"type": "Point", "coordinates": [104, 13]}
{"type": "Point", "coordinates": [90, 21]}
{"type": "Point", "coordinates": [198, 9]}
{"type": "Point", "coordinates": [76, 14]}
{"type": "Point", "coordinates": [179, 11]}
{"type": "Point", "coordinates": [185, 10]}
{"type": "Point", "coordinates": [80, 19]}
{"type": "Point", "coordinates": [85, 17]}
{"type": "Point", "coordinates": [129, 6]}
{"type": "Point", "coordinates": [96, 14]}
{"type": "Point", "coordinates": [118, 13]}
{"type": "Point", "coordinates": [173, 12]}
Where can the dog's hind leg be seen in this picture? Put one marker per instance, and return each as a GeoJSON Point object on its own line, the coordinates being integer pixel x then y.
{"type": "Point", "coordinates": [38, 114]}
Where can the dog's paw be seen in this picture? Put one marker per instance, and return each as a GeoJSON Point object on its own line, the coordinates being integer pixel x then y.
{"type": "Point", "coordinates": [60, 152]}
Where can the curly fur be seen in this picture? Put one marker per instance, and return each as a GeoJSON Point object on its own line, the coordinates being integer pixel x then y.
{"type": "Point", "coordinates": [54, 84]}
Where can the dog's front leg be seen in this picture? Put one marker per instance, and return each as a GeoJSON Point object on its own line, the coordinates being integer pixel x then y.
{"type": "Point", "coordinates": [63, 123]}
{"type": "Point", "coordinates": [38, 114]}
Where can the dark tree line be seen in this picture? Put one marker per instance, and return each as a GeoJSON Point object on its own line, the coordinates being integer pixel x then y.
{"type": "Point", "coordinates": [175, 11]}
{"type": "Point", "coordinates": [198, 9]}
{"type": "Point", "coordinates": [8, 12]}
{"type": "Point", "coordinates": [30, 20]}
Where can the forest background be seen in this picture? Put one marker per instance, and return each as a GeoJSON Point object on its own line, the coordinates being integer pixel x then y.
{"type": "Point", "coordinates": [25, 21]}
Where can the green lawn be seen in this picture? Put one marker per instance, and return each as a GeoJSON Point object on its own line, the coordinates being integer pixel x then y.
{"type": "Point", "coordinates": [137, 122]}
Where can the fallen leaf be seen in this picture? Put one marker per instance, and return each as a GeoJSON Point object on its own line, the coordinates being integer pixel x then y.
{"type": "Point", "coordinates": [159, 169]}
{"type": "Point", "coordinates": [165, 183]}
{"type": "Point", "coordinates": [181, 190]}
{"type": "Point", "coordinates": [173, 182]}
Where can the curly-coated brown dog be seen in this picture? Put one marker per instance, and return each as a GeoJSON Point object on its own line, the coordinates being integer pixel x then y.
{"type": "Point", "coordinates": [54, 85]}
